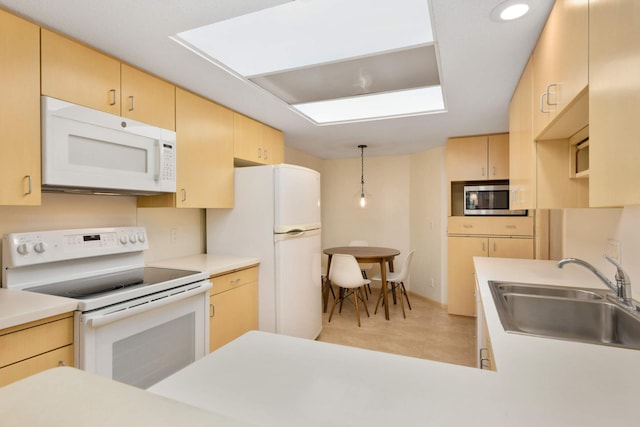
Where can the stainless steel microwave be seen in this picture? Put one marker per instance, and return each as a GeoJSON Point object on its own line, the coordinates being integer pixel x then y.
{"type": "Point", "coordinates": [490, 200]}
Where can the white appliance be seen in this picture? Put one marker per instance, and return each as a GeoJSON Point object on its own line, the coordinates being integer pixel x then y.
{"type": "Point", "coordinates": [133, 324]}
{"type": "Point", "coordinates": [276, 217]}
{"type": "Point", "coordinates": [90, 151]}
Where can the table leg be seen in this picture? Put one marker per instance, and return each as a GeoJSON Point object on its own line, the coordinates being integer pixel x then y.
{"type": "Point", "coordinates": [327, 288]}
{"type": "Point", "coordinates": [385, 297]}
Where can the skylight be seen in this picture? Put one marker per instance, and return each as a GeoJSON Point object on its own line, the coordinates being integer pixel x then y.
{"type": "Point", "coordinates": [341, 55]}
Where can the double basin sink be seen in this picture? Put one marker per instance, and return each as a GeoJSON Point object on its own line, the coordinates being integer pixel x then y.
{"type": "Point", "coordinates": [575, 314]}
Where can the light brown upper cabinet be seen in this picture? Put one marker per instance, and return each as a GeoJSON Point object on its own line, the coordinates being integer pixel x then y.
{"type": "Point", "coordinates": [478, 158]}
{"type": "Point", "coordinates": [561, 65]}
{"type": "Point", "coordinates": [522, 149]}
{"type": "Point", "coordinates": [204, 174]}
{"type": "Point", "coordinates": [614, 107]}
{"type": "Point", "coordinates": [256, 143]}
{"type": "Point", "coordinates": [74, 72]}
{"type": "Point", "coordinates": [19, 111]}
{"type": "Point", "coordinates": [147, 99]}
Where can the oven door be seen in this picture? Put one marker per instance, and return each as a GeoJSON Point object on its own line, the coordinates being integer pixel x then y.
{"type": "Point", "coordinates": [142, 341]}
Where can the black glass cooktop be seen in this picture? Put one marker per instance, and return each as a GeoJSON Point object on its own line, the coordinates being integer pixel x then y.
{"type": "Point", "coordinates": [96, 286]}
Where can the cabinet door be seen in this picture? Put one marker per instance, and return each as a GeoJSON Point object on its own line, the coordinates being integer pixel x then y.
{"type": "Point", "coordinates": [461, 273]}
{"type": "Point", "coordinates": [561, 59]}
{"type": "Point", "coordinates": [19, 111]}
{"type": "Point", "coordinates": [273, 142]}
{"type": "Point", "coordinates": [498, 155]}
{"type": "Point", "coordinates": [233, 313]}
{"type": "Point", "coordinates": [147, 99]}
{"type": "Point", "coordinates": [247, 139]}
{"type": "Point", "coordinates": [59, 357]}
{"type": "Point", "coordinates": [504, 247]}
{"type": "Point", "coordinates": [76, 73]}
{"type": "Point", "coordinates": [522, 150]}
{"type": "Point", "coordinates": [205, 153]}
{"type": "Point", "coordinates": [614, 104]}
{"type": "Point", "coordinates": [467, 158]}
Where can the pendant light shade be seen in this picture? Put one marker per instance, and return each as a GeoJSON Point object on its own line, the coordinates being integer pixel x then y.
{"type": "Point", "coordinates": [363, 201]}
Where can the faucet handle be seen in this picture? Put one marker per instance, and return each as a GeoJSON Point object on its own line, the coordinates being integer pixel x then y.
{"type": "Point", "coordinates": [622, 277]}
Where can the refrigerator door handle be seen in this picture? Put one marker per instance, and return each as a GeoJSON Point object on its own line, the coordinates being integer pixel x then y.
{"type": "Point", "coordinates": [295, 232]}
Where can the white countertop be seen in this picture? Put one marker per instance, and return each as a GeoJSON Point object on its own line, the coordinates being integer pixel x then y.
{"type": "Point", "coordinates": [275, 380]}
{"type": "Point", "coordinates": [212, 263]}
{"type": "Point", "coordinates": [70, 397]}
{"type": "Point", "coordinates": [18, 307]}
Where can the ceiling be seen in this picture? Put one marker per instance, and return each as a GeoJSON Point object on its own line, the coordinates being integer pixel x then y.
{"type": "Point", "coordinates": [480, 63]}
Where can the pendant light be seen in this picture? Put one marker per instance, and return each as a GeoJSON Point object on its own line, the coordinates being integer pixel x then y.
{"type": "Point", "coordinates": [363, 201]}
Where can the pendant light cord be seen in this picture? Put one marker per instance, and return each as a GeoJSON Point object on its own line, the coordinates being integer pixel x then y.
{"type": "Point", "coordinates": [362, 147]}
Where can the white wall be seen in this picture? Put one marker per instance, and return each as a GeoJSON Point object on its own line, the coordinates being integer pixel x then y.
{"type": "Point", "coordinates": [428, 224]}
{"type": "Point", "coordinates": [385, 219]}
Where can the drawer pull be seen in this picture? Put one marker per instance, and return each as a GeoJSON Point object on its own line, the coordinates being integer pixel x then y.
{"type": "Point", "coordinates": [511, 227]}
{"type": "Point", "coordinates": [235, 281]}
{"type": "Point", "coordinates": [212, 310]}
{"type": "Point", "coordinates": [61, 363]}
{"type": "Point", "coordinates": [467, 225]}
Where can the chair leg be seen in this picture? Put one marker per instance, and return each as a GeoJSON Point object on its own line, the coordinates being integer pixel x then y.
{"type": "Point", "coordinates": [341, 297]}
{"type": "Point", "coordinates": [382, 289]}
{"type": "Point", "coordinates": [333, 307]}
{"type": "Point", "coordinates": [404, 315]}
{"type": "Point", "coordinates": [355, 299]}
{"type": "Point", "coordinates": [404, 291]}
{"type": "Point", "coordinates": [361, 290]}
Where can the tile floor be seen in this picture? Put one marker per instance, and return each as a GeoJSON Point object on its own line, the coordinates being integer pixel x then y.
{"type": "Point", "coordinates": [428, 332]}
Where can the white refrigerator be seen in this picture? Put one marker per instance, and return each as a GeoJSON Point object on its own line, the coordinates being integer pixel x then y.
{"type": "Point", "coordinates": [276, 217]}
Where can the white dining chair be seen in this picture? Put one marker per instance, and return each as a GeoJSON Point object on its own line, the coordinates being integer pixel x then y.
{"type": "Point", "coordinates": [363, 267]}
{"type": "Point", "coordinates": [396, 279]}
{"type": "Point", "coordinates": [345, 273]}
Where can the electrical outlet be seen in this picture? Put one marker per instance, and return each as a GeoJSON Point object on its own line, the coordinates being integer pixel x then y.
{"type": "Point", "coordinates": [613, 249]}
{"type": "Point", "coordinates": [433, 283]}
{"type": "Point", "coordinates": [173, 236]}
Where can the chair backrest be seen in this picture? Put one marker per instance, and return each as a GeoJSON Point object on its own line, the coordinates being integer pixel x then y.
{"type": "Point", "coordinates": [406, 266]}
{"type": "Point", "coordinates": [345, 271]}
{"type": "Point", "coordinates": [358, 243]}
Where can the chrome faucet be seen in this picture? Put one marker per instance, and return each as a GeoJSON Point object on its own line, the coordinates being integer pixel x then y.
{"type": "Point", "coordinates": [622, 288]}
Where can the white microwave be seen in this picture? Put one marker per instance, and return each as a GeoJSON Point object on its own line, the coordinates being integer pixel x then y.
{"type": "Point", "coordinates": [490, 200]}
{"type": "Point", "coordinates": [90, 151]}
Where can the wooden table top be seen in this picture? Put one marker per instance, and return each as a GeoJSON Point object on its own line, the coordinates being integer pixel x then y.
{"type": "Point", "coordinates": [363, 251]}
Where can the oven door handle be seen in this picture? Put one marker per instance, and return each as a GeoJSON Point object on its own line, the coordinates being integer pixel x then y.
{"type": "Point", "coordinates": [148, 304]}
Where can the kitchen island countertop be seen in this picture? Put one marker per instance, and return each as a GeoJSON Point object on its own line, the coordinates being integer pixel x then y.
{"type": "Point", "coordinates": [274, 380]}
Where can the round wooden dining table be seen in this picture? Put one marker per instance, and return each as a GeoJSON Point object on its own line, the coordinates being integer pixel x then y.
{"type": "Point", "coordinates": [364, 255]}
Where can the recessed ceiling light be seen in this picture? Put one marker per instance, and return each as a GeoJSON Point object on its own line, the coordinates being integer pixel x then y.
{"type": "Point", "coordinates": [410, 102]}
{"type": "Point", "coordinates": [510, 10]}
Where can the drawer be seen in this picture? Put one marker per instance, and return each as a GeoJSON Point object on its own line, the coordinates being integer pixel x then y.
{"type": "Point", "coordinates": [232, 280]}
{"type": "Point", "coordinates": [491, 226]}
{"type": "Point", "coordinates": [23, 342]}
{"type": "Point", "coordinates": [59, 357]}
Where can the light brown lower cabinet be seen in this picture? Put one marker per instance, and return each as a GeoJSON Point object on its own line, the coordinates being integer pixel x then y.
{"type": "Point", "coordinates": [233, 308]}
{"type": "Point", "coordinates": [461, 273]}
{"type": "Point", "coordinates": [36, 346]}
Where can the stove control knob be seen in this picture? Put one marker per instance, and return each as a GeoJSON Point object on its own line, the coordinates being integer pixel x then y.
{"type": "Point", "coordinates": [123, 239]}
{"type": "Point", "coordinates": [23, 249]}
{"type": "Point", "coordinates": [141, 238]}
{"type": "Point", "coordinates": [132, 238]}
{"type": "Point", "coordinates": [40, 247]}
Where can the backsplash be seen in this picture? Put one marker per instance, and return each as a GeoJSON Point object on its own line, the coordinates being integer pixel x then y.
{"type": "Point", "coordinates": [586, 234]}
{"type": "Point", "coordinates": [171, 232]}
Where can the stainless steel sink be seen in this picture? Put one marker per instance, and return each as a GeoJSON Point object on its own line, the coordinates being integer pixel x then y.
{"type": "Point", "coordinates": [574, 314]}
